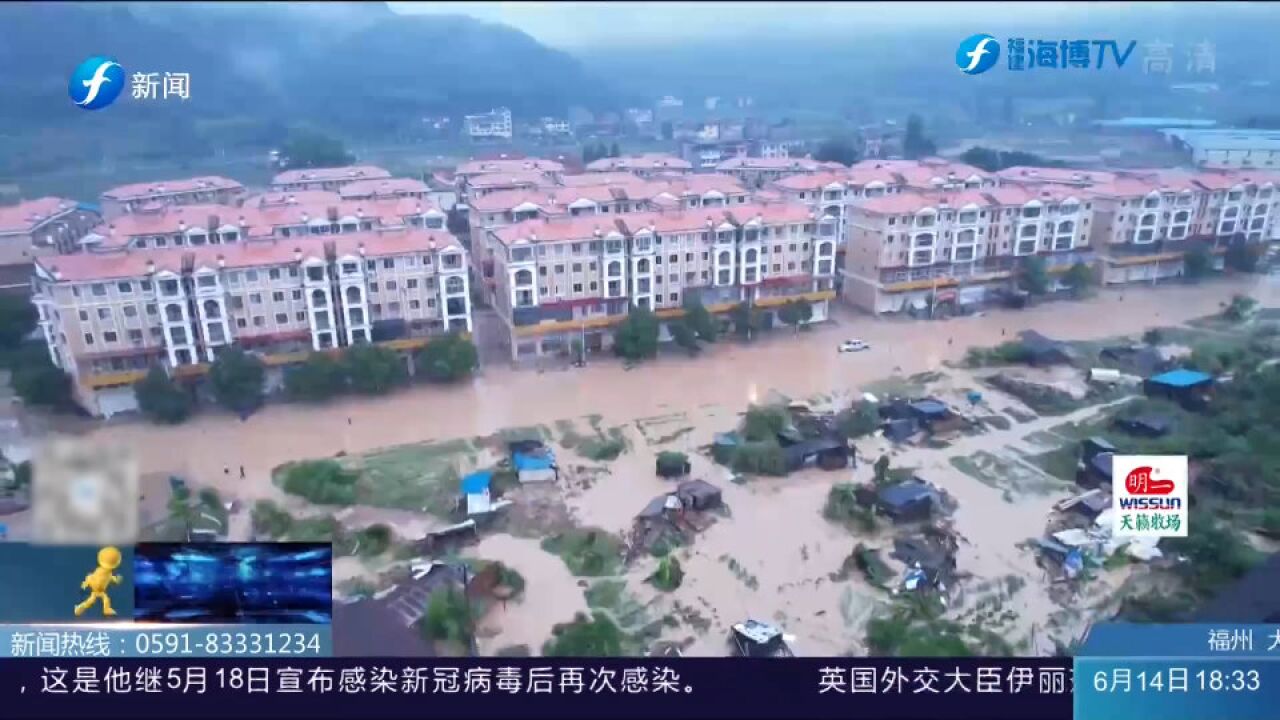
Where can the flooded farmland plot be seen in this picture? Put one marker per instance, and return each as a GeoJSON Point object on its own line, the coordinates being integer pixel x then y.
{"type": "Point", "coordinates": [763, 548]}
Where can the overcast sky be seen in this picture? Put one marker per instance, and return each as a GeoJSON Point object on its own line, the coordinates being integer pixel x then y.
{"type": "Point", "coordinates": [573, 25]}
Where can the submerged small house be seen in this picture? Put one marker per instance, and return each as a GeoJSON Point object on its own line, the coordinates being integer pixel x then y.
{"type": "Point", "coordinates": [475, 489]}
{"type": "Point", "coordinates": [828, 453]}
{"type": "Point", "coordinates": [1189, 388]}
{"type": "Point", "coordinates": [533, 461]}
{"type": "Point", "coordinates": [907, 501]}
{"type": "Point", "coordinates": [1042, 351]}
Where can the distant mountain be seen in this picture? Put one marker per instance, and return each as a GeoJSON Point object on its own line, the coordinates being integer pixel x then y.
{"type": "Point", "coordinates": [354, 68]}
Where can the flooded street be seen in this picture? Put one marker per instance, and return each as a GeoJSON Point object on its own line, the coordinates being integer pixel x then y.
{"type": "Point", "coordinates": [773, 557]}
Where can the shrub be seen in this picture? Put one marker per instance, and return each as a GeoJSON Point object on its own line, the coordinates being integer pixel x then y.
{"type": "Point", "coordinates": [448, 617]}
{"type": "Point", "coordinates": [448, 359]}
{"type": "Point", "coordinates": [269, 520]}
{"type": "Point", "coordinates": [162, 399]}
{"type": "Point", "coordinates": [859, 420]}
{"type": "Point", "coordinates": [319, 378]}
{"type": "Point", "coordinates": [672, 464]}
{"type": "Point", "coordinates": [597, 636]}
{"type": "Point", "coordinates": [669, 574]}
{"type": "Point", "coordinates": [323, 482]}
{"type": "Point", "coordinates": [764, 422]}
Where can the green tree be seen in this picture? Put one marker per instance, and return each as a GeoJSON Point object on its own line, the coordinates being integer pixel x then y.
{"type": "Point", "coordinates": [162, 399]}
{"type": "Point", "coordinates": [1242, 256]}
{"type": "Point", "coordinates": [373, 370]}
{"type": "Point", "coordinates": [17, 319]}
{"type": "Point", "coordinates": [1032, 276]}
{"type": "Point", "coordinates": [637, 336]}
{"type": "Point", "coordinates": [684, 336]}
{"type": "Point", "coordinates": [914, 144]}
{"type": "Point", "coordinates": [43, 383]}
{"type": "Point", "coordinates": [669, 574]}
{"type": "Point", "coordinates": [699, 319]}
{"type": "Point", "coordinates": [994, 160]}
{"type": "Point", "coordinates": [860, 420]}
{"type": "Point", "coordinates": [447, 359]}
{"type": "Point", "coordinates": [1153, 336]}
{"type": "Point", "coordinates": [796, 313]}
{"type": "Point", "coordinates": [1080, 278]}
{"type": "Point", "coordinates": [836, 150]}
{"type": "Point", "coordinates": [1197, 263]}
{"type": "Point", "coordinates": [310, 149]}
{"type": "Point", "coordinates": [236, 377]}
{"type": "Point", "coordinates": [448, 617]}
{"type": "Point", "coordinates": [764, 422]}
{"type": "Point", "coordinates": [746, 320]}
{"type": "Point", "coordinates": [319, 378]}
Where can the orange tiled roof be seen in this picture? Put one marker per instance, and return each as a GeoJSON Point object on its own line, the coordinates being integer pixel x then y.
{"type": "Point", "coordinates": [169, 187]}
{"type": "Point", "coordinates": [29, 215]}
{"type": "Point", "coordinates": [351, 172]}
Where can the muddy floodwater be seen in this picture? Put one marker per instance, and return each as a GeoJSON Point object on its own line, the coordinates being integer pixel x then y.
{"type": "Point", "coordinates": [772, 557]}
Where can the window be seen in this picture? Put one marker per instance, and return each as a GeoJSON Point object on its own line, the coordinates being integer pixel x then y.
{"type": "Point", "coordinates": [391, 285]}
{"type": "Point", "coordinates": [251, 276]}
{"type": "Point", "coordinates": [256, 298]}
{"type": "Point", "coordinates": [131, 311]}
{"type": "Point", "coordinates": [393, 308]}
{"type": "Point", "coordinates": [414, 305]}
{"type": "Point", "coordinates": [98, 289]}
{"type": "Point", "coordinates": [301, 316]}
{"type": "Point", "coordinates": [109, 336]}
{"type": "Point", "coordinates": [577, 287]}
{"type": "Point", "coordinates": [146, 286]}
{"type": "Point", "coordinates": [124, 287]}
{"type": "Point", "coordinates": [388, 264]}
{"type": "Point", "coordinates": [282, 318]}
{"type": "Point", "coordinates": [577, 267]}
{"type": "Point", "coordinates": [151, 309]}
{"type": "Point", "coordinates": [371, 264]}
{"type": "Point", "coordinates": [88, 338]}
{"type": "Point", "coordinates": [240, 323]}
{"type": "Point", "coordinates": [274, 273]}
{"type": "Point", "coordinates": [259, 321]}
{"type": "Point", "coordinates": [277, 296]}
{"type": "Point", "coordinates": [84, 316]}
{"type": "Point", "coordinates": [135, 336]}
{"type": "Point", "coordinates": [373, 287]}
{"type": "Point", "coordinates": [297, 294]}
{"type": "Point", "coordinates": [104, 313]}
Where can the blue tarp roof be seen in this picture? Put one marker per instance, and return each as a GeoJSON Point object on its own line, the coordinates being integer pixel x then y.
{"type": "Point", "coordinates": [476, 482]}
{"type": "Point", "coordinates": [525, 461]}
{"type": "Point", "coordinates": [905, 493]}
{"type": "Point", "coordinates": [929, 407]}
{"type": "Point", "coordinates": [1182, 378]}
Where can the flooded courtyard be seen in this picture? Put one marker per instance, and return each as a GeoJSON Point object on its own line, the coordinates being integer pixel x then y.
{"type": "Point", "coordinates": [772, 556]}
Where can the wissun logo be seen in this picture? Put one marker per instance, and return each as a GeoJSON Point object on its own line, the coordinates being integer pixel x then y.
{"type": "Point", "coordinates": [1150, 495]}
{"type": "Point", "coordinates": [96, 83]}
{"type": "Point", "coordinates": [977, 53]}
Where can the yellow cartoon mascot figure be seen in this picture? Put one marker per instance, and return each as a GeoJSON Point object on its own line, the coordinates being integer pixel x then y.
{"type": "Point", "coordinates": [99, 580]}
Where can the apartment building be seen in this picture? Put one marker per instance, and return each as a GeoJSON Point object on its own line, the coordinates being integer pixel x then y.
{"type": "Point", "coordinates": [757, 172]}
{"type": "Point", "coordinates": [208, 190]}
{"type": "Point", "coordinates": [330, 179]}
{"type": "Point", "coordinates": [563, 279]}
{"type": "Point", "coordinates": [911, 250]}
{"type": "Point", "coordinates": [108, 316]}
{"type": "Point", "coordinates": [1148, 220]}
{"type": "Point", "coordinates": [389, 188]}
{"type": "Point", "coordinates": [643, 165]}
{"type": "Point", "coordinates": [536, 170]}
{"type": "Point", "coordinates": [44, 226]}
{"type": "Point", "coordinates": [302, 214]}
{"type": "Point", "coordinates": [620, 193]}
{"type": "Point", "coordinates": [495, 124]}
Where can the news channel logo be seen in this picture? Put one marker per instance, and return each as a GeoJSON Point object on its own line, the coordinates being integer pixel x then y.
{"type": "Point", "coordinates": [977, 54]}
{"type": "Point", "coordinates": [96, 83]}
{"type": "Point", "coordinates": [1149, 496]}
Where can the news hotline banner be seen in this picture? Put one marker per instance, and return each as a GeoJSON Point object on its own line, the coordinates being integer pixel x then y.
{"type": "Point", "coordinates": [561, 689]}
